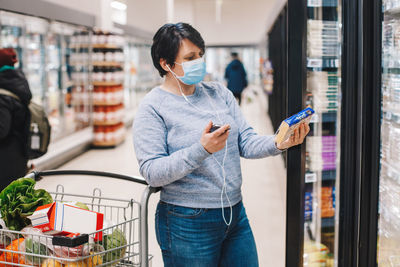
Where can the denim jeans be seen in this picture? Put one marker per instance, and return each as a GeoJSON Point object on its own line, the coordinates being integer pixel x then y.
{"type": "Point", "coordinates": [197, 237]}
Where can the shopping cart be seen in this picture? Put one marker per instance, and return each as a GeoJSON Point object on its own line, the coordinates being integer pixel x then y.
{"type": "Point", "coordinates": [124, 235]}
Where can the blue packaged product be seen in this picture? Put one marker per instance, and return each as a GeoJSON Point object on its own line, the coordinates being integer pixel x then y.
{"type": "Point", "coordinates": [290, 124]}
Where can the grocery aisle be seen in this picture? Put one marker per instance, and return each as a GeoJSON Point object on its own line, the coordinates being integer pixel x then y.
{"type": "Point", "coordinates": [264, 185]}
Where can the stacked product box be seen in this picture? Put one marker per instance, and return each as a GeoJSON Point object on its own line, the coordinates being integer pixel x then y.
{"type": "Point", "coordinates": [308, 206]}
{"type": "Point", "coordinates": [327, 202]}
{"type": "Point", "coordinates": [80, 74]}
{"type": "Point", "coordinates": [321, 152]}
{"type": "Point", "coordinates": [107, 80]}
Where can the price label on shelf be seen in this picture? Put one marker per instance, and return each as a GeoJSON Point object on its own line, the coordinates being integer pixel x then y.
{"type": "Point", "coordinates": [314, 63]}
{"type": "Point", "coordinates": [310, 177]}
{"type": "Point", "coordinates": [314, 3]}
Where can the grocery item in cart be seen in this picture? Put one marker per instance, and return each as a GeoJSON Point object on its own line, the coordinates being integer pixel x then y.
{"type": "Point", "coordinates": [19, 200]}
{"type": "Point", "coordinates": [10, 256]}
{"type": "Point", "coordinates": [113, 241]}
{"type": "Point", "coordinates": [60, 218]}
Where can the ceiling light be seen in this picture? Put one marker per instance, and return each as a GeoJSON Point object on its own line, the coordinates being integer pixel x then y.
{"type": "Point", "coordinates": [118, 5]}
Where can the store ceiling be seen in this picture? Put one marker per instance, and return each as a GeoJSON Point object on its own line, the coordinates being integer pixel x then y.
{"type": "Point", "coordinates": [241, 21]}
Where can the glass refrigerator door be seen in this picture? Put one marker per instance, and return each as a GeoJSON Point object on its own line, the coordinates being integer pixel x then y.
{"type": "Point", "coordinates": [54, 82]}
{"type": "Point", "coordinates": [388, 253]}
{"type": "Point", "coordinates": [11, 28]}
{"type": "Point", "coordinates": [322, 144]}
{"type": "Point", "coordinates": [34, 63]}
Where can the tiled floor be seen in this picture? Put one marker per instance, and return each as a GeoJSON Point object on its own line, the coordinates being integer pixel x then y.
{"type": "Point", "coordinates": [264, 185]}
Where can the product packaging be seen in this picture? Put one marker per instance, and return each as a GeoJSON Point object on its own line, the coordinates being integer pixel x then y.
{"type": "Point", "coordinates": [64, 219]}
{"type": "Point", "coordinates": [290, 124]}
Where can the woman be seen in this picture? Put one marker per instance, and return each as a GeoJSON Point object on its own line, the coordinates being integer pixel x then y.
{"type": "Point", "coordinates": [200, 219]}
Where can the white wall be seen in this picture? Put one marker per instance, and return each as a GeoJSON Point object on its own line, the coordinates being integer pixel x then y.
{"type": "Point", "coordinates": [88, 6]}
{"type": "Point", "coordinates": [147, 15]}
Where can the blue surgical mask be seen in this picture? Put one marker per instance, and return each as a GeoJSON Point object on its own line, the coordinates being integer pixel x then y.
{"type": "Point", "coordinates": [194, 71]}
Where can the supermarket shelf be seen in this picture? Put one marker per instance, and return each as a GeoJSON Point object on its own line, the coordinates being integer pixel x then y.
{"type": "Point", "coordinates": [393, 11]}
{"type": "Point", "coordinates": [108, 46]}
{"type": "Point", "coordinates": [107, 123]}
{"type": "Point", "coordinates": [322, 3]}
{"type": "Point", "coordinates": [329, 117]}
{"type": "Point", "coordinates": [107, 64]}
{"type": "Point", "coordinates": [329, 175]}
{"type": "Point", "coordinates": [106, 83]}
{"type": "Point", "coordinates": [323, 62]}
{"type": "Point", "coordinates": [328, 222]}
{"type": "Point", "coordinates": [108, 103]}
{"type": "Point", "coordinates": [110, 143]}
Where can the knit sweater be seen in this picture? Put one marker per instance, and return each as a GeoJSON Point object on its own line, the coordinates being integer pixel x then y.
{"type": "Point", "coordinates": [166, 134]}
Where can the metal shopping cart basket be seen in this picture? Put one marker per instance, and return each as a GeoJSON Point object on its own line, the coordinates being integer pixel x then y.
{"type": "Point", "coordinates": [124, 236]}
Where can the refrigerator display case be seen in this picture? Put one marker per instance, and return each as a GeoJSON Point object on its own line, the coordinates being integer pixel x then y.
{"type": "Point", "coordinates": [323, 142]}
{"type": "Point", "coordinates": [388, 235]}
{"type": "Point", "coordinates": [44, 51]}
{"type": "Point", "coordinates": [323, 174]}
{"type": "Point", "coordinates": [140, 74]}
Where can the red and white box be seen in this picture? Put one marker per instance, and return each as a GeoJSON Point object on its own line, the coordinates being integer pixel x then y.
{"type": "Point", "coordinates": [59, 218]}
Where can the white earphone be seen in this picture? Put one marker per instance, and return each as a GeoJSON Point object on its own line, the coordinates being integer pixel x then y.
{"type": "Point", "coordinates": [222, 166]}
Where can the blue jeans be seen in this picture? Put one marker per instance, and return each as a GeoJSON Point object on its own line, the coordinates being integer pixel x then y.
{"type": "Point", "coordinates": [197, 237]}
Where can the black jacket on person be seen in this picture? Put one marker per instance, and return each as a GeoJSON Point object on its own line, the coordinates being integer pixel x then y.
{"type": "Point", "coordinates": [236, 76]}
{"type": "Point", "coordinates": [14, 126]}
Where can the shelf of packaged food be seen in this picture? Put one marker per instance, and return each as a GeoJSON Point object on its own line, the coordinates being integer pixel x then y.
{"type": "Point", "coordinates": [322, 3]}
{"type": "Point", "coordinates": [323, 63]}
{"type": "Point", "coordinates": [78, 46]}
{"type": "Point", "coordinates": [108, 103]}
{"type": "Point", "coordinates": [391, 115]}
{"type": "Point", "coordinates": [327, 175]}
{"type": "Point", "coordinates": [328, 222]}
{"type": "Point", "coordinates": [107, 64]}
{"type": "Point", "coordinates": [327, 117]}
{"type": "Point", "coordinates": [109, 143]}
{"type": "Point", "coordinates": [106, 123]}
{"type": "Point", "coordinates": [107, 83]}
{"type": "Point", "coordinates": [393, 11]}
{"type": "Point", "coordinates": [107, 46]}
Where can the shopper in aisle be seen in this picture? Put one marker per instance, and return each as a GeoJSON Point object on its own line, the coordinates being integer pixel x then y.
{"type": "Point", "coordinates": [236, 76]}
{"type": "Point", "coordinates": [14, 119]}
{"type": "Point", "coordinates": [200, 219]}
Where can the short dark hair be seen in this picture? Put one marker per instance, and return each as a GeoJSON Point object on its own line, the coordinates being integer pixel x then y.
{"type": "Point", "coordinates": [234, 54]}
{"type": "Point", "coordinates": [167, 40]}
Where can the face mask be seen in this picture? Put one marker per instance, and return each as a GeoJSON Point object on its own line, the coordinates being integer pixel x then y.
{"type": "Point", "coordinates": [194, 71]}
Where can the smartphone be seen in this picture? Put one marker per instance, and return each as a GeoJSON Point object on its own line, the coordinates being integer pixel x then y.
{"type": "Point", "coordinates": [215, 127]}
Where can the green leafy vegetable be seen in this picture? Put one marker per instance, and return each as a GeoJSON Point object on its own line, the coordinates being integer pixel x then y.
{"type": "Point", "coordinates": [19, 200]}
{"type": "Point", "coordinates": [112, 241]}
{"type": "Point", "coordinates": [34, 248]}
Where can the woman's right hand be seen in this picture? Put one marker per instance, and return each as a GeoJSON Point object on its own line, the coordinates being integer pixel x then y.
{"type": "Point", "coordinates": [215, 141]}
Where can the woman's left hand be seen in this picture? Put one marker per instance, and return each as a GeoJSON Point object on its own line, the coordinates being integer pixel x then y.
{"type": "Point", "coordinates": [297, 137]}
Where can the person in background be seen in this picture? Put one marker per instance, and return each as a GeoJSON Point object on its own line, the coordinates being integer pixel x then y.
{"type": "Point", "coordinates": [14, 119]}
{"type": "Point", "coordinates": [200, 219]}
{"type": "Point", "coordinates": [236, 76]}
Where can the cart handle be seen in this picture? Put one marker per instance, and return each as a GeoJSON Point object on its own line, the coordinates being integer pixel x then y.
{"type": "Point", "coordinates": [136, 179]}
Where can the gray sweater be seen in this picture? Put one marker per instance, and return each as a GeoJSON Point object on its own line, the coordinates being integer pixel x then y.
{"type": "Point", "coordinates": [166, 135]}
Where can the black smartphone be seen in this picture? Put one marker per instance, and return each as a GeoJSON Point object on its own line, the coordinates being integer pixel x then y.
{"type": "Point", "coordinates": [215, 127]}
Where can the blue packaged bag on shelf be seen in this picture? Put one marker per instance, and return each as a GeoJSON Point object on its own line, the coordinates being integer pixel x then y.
{"type": "Point", "coordinates": [290, 124]}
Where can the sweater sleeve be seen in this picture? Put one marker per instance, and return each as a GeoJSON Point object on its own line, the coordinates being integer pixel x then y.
{"type": "Point", "coordinates": [251, 145]}
{"type": "Point", "coordinates": [156, 165]}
